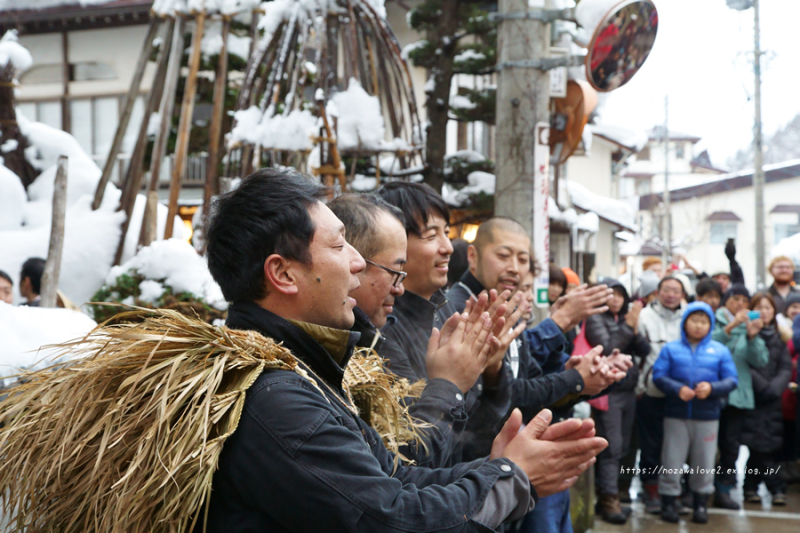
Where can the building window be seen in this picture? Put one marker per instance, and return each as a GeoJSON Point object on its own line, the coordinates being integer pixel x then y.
{"type": "Point", "coordinates": [80, 71]}
{"type": "Point", "coordinates": [47, 112]}
{"type": "Point", "coordinates": [785, 230]}
{"type": "Point", "coordinates": [643, 187]}
{"type": "Point", "coordinates": [680, 151]}
{"type": "Point", "coordinates": [722, 231]}
{"type": "Point", "coordinates": [644, 154]}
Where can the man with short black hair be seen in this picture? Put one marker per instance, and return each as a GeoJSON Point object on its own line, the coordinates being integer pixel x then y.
{"type": "Point", "coordinates": [30, 281]}
{"type": "Point", "coordinates": [376, 230]}
{"type": "Point", "coordinates": [6, 288]}
{"type": "Point", "coordinates": [424, 306]}
{"type": "Point", "coordinates": [710, 292]}
{"type": "Point", "coordinates": [300, 458]}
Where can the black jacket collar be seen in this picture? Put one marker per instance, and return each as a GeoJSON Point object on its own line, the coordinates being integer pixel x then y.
{"type": "Point", "coordinates": [368, 331]}
{"type": "Point", "coordinates": [418, 311]}
{"type": "Point", "coordinates": [472, 283]}
{"type": "Point", "coordinates": [250, 316]}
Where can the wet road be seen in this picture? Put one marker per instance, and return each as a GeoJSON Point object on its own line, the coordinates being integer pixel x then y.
{"type": "Point", "coordinates": [752, 518]}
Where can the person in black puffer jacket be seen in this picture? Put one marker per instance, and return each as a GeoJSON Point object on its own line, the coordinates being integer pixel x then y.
{"type": "Point", "coordinates": [616, 329]}
{"type": "Point", "coordinates": [763, 428]}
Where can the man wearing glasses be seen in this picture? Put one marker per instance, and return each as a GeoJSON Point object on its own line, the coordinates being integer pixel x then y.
{"type": "Point", "coordinates": [376, 230]}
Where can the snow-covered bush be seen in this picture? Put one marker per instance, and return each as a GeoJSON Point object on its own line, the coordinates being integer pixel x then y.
{"type": "Point", "coordinates": [167, 274]}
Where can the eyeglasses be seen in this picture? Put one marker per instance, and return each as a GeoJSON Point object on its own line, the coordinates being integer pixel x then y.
{"type": "Point", "coordinates": [399, 275]}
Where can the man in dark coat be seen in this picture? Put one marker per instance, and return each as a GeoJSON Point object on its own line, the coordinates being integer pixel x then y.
{"type": "Point", "coordinates": [782, 271]}
{"type": "Point", "coordinates": [301, 459]}
{"type": "Point", "coordinates": [376, 230]}
{"type": "Point", "coordinates": [423, 306]}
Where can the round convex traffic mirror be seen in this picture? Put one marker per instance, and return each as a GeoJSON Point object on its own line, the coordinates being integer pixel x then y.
{"type": "Point", "coordinates": [621, 43]}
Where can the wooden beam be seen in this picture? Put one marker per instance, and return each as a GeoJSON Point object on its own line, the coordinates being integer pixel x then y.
{"type": "Point", "coordinates": [150, 219]}
{"type": "Point", "coordinates": [133, 92]}
{"type": "Point", "coordinates": [217, 116]}
{"type": "Point", "coordinates": [185, 125]}
{"type": "Point", "coordinates": [133, 178]}
{"type": "Point", "coordinates": [52, 267]}
{"type": "Point", "coordinates": [66, 112]}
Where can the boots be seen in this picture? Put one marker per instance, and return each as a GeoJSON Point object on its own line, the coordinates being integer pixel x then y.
{"type": "Point", "coordinates": [610, 509]}
{"type": "Point", "coordinates": [723, 500]}
{"type": "Point", "coordinates": [652, 500]}
{"type": "Point", "coordinates": [700, 508]}
{"type": "Point", "coordinates": [669, 510]}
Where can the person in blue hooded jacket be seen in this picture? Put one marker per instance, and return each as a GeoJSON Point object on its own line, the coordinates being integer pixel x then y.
{"type": "Point", "coordinates": [694, 373]}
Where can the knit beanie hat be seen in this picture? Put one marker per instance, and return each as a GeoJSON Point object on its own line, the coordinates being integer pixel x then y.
{"type": "Point", "coordinates": [738, 289]}
{"type": "Point", "coordinates": [792, 298]}
{"type": "Point", "coordinates": [648, 283]}
{"type": "Point", "coordinates": [572, 277]}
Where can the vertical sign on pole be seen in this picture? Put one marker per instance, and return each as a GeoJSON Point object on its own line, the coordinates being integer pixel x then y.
{"type": "Point", "coordinates": [541, 220]}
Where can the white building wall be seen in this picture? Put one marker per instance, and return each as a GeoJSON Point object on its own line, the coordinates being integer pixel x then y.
{"type": "Point", "coordinates": [689, 219]}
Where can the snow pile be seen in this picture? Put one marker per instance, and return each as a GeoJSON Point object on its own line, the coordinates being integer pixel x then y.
{"type": "Point", "coordinates": [363, 183]}
{"type": "Point", "coordinates": [469, 55]}
{"type": "Point", "coordinates": [588, 222]}
{"type": "Point", "coordinates": [790, 247]}
{"type": "Point", "coordinates": [25, 329]}
{"type": "Point", "coordinates": [458, 101]}
{"type": "Point", "coordinates": [409, 48]}
{"type": "Point", "coordinates": [633, 140]}
{"type": "Point", "coordinates": [360, 124]}
{"type": "Point", "coordinates": [477, 182]}
{"type": "Point", "coordinates": [211, 44]}
{"type": "Point", "coordinates": [615, 211]}
{"type": "Point", "coordinates": [12, 200]}
{"type": "Point", "coordinates": [13, 52]}
{"type": "Point", "coordinates": [90, 242]}
{"type": "Point", "coordinates": [173, 263]}
{"type": "Point", "coordinates": [291, 132]}
{"type": "Point", "coordinates": [227, 7]}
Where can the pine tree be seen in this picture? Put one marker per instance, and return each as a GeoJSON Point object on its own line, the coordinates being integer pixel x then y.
{"type": "Point", "coordinates": [461, 40]}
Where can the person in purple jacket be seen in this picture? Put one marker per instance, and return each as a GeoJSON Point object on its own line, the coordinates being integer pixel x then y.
{"type": "Point", "coordinates": [695, 373]}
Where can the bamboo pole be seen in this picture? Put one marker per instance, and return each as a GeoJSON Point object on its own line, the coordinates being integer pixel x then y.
{"type": "Point", "coordinates": [185, 125]}
{"type": "Point", "coordinates": [215, 130]}
{"type": "Point", "coordinates": [150, 219]}
{"type": "Point", "coordinates": [165, 111]}
{"type": "Point", "coordinates": [52, 267]}
{"type": "Point", "coordinates": [133, 92]}
{"type": "Point", "coordinates": [133, 179]}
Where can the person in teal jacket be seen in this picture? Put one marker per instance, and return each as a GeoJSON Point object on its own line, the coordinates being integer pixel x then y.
{"type": "Point", "coordinates": [736, 330]}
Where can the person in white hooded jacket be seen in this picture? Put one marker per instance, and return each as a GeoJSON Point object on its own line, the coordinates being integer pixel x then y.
{"type": "Point", "coordinates": [660, 323]}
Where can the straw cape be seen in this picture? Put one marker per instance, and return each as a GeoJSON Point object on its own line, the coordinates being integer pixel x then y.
{"type": "Point", "coordinates": [127, 436]}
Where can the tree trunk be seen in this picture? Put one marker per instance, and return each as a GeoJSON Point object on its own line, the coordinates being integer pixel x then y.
{"type": "Point", "coordinates": [14, 159]}
{"type": "Point", "coordinates": [439, 99]}
{"type": "Point", "coordinates": [52, 267]}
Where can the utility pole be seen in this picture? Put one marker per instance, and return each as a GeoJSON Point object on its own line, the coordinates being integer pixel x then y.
{"type": "Point", "coordinates": [523, 100]}
{"type": "Point", "coordinates": [758, 171]}
{"type": "Point", "coordinates": [667, 223]}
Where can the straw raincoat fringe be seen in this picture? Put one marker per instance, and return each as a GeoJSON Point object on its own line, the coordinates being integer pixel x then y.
{"type": "Point", "coordinates": [126, 437]}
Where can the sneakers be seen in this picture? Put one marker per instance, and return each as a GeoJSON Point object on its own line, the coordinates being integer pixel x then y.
{"type": "Point", "coordinates": [669, 511]}
{"type": "Point", "coordinates": [700, 515]}
{"type": "Point", "coordinates": [779, 498]}
{"type": "Point", "coordinates": [723, 500]}
{"type": "Point", "coordinates": [652, 500]}
{"type": "Point", "coordinates": [610, 509]}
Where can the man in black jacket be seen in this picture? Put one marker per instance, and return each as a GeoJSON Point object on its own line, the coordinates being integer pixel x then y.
{"type": "Point", "coordinates": [301, 459]}
{"type": "Point", "coordinates": [376, 230]}
{"type": "Point", "coordinates": [423, 306]}
{"type": "Point", "coordinates": [499, 258]}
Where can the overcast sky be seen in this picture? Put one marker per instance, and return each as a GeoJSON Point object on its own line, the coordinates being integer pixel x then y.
{"type": "Point", "coordinates": [702, 59]}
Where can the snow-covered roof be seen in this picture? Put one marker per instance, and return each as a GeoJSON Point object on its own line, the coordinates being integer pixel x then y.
{"type": "Point", "coordinates": [657, 134]}
{"type": "Point", "coordinates": [713, 184]}
{"type": "Point", "coordinates": [611, 210]}
{"type": "Point", "coordinates": [630, 139]}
